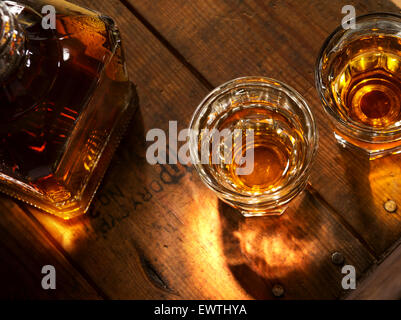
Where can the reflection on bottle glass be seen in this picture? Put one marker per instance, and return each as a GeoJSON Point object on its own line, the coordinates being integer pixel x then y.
{"type": "Point", "coordinates": [65, 101]}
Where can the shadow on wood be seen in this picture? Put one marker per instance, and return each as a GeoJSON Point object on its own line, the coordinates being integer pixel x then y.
{"type": "Point", "coordinates": [372, 183]}
{"type": "Point", "coordinates": [265, 251]}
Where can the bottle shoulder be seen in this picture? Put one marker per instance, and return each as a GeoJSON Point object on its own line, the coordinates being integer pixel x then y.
{"type": "Point", "coordinates": [79, 48]}
{"type": "Point", "coordinates": [63, 108]}
{"type": "Point", "coordinates": [94, 30]}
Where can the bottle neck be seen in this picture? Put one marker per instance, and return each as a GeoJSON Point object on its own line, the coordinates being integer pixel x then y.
{"type": "Point", "coordinates": [12, 40]}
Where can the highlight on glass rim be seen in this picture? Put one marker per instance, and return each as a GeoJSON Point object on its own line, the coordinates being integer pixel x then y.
{"type": "Point", "coordinates": [200, 159]}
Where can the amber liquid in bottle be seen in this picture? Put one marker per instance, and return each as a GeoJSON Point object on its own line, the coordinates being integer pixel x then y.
{"type": "Point", "coordinates": [53, 133]}
{"type": "Point", "coordinates": [278, 150]}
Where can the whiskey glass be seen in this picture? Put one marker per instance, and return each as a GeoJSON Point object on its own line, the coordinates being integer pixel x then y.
{"type": "Point", "coordinates": [269, 120]}
{"type": "Point", "coordinates": [358, 78]}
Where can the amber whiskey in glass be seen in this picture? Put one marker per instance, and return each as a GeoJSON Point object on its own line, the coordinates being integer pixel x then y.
{"type": "Point", "coordinates": [262, 117]}
{"type": "Point", "coordinates": [358, 77]}
{"type": "Point", "coordinates": [369, 87]}
{"type": "Point", "coordinates": [277, 147]}
{"type": "Point", "coordinates": [65, 101]}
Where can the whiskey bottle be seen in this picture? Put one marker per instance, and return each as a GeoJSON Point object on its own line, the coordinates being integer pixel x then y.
{"type": "Point", "coordinates": [65, 101]}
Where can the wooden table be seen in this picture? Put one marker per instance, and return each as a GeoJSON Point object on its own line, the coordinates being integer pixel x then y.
{"type": "Point", "coordinates": [156, 232]}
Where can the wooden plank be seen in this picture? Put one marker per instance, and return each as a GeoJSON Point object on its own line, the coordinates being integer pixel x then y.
{"type": "Point", "coordinates": [281, 39]}
{"type": "Point", "coordinates": [157, 232]}
{"type": "Point", "coordinates": [287, 250]}
{"type": "Point", "coordinates": [200, 248]}
{"type": "Point", "coordinates": [357, 188]}
{"type": "Point", "coordinates": [397, 3]}
{"type": "Point", "coordinates": [384, 283]}
{"type": "Point", "coordinates": [230, 38]}
{"type": "Point", "coordinates": [106, 242]}
{"type": "Point", "coordinates": [24, 251]}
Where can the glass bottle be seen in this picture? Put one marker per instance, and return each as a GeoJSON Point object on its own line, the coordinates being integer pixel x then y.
{"type": "Point", "coordinates": [65, 100]}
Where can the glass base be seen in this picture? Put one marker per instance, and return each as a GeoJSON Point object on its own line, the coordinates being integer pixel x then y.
{"type": "Point", "coordinates": [370, 153]}
{"type": "Point", "coordinates": [256, 210]}
{"type": "Point", "coordinates": [272, 212]}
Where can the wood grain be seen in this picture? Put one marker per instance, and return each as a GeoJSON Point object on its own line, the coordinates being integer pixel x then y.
{"type": "Point", "coordinates": [157, 232]}
{"type": "Point", "coordinates": [397, 3]}
{"type": "Point", "coordinates": [25, 249]}
{"type": "Point", "coordinates": [357, 188]}
{"type": "Point", "coordinates": [384, 283]}
{"type": "Point", "coordinates": [230, 38]}
{"type": "Point", "coordinates": [282, 39]}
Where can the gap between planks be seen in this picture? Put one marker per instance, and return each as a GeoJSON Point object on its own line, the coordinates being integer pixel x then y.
{"type": "Point", "coordinates": [62, 251]}
{"type": "Point", "coordinates": [208, 85]}
{"type": "Point", "coordinates": [203, 79]}
{"type": "Point", "coordinates": [198, 75]}
{"type": "Point", "coordinates": [397, 3]}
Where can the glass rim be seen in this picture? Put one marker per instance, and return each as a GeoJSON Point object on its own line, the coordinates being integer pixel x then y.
{"type": "Point", "coordinates": [353, 125]}
{"type": "Point", "coordinates": [284, 194]}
